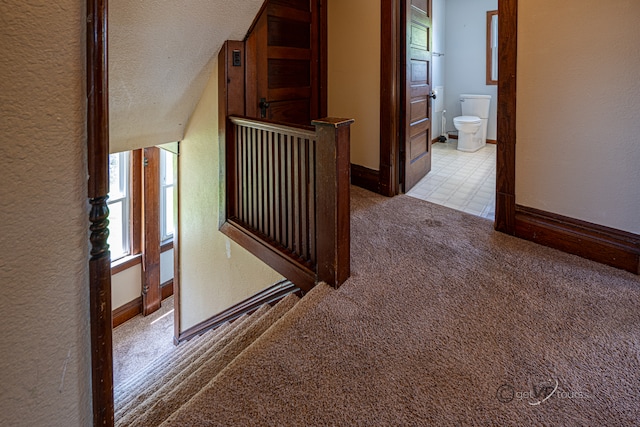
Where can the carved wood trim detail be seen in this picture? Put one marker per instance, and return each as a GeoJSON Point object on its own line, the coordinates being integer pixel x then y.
{"type": "Point", "coordinates": [98, 188]}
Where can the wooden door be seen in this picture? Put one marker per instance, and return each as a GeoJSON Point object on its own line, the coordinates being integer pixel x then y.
{"type": "Point", "coordinates": [416, 90]}
{"type": "Point", "coordinates": [283, 67]}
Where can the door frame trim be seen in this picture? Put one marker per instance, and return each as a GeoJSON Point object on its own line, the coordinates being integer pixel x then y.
{"type": "Point", "coordinates": [390, 107]}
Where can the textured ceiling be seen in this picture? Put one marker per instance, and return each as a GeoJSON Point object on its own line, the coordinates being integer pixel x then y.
{"type": "Point", "coordinates": [161, 55]}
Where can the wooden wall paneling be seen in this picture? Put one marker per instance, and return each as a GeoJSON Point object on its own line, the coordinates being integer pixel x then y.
{"type": "Point", "coordinates": [284, 62]}
{"type": "Point", "coordinates": [231, 100]}
{"type": "Point", "coordinates": [323, 59]}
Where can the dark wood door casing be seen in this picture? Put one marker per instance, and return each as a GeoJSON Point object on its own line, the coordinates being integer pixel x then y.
{"type": "Point", "coordinates": [391, 106]}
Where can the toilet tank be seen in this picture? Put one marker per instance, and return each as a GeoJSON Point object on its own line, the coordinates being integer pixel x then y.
{"type": "Point", "coordinates": [475, 105]}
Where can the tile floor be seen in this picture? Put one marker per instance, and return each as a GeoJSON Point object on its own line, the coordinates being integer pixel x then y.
{"type": "Point", "coordinates": [459, 180]}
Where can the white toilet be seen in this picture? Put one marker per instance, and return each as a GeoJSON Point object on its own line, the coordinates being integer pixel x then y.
{"type": "Point", "coordinates": [472, 125]}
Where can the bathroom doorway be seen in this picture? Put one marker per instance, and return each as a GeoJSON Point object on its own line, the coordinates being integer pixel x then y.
{"type": "Point", "coordinates": [460, 180]}
{"type": "Point", "coordinates": [464, 181]}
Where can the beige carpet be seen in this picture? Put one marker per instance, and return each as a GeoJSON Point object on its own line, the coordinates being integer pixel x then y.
{"type": "Point", "coordinates": [444, 322]}
{"type": "Point", "coordinates": [140, 340]}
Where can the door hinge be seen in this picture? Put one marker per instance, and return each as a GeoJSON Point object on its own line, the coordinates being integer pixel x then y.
{"type": "Point", "coordinates": [146, 162]}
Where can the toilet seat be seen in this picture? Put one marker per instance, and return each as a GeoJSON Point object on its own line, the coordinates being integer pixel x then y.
{"type": "Point", "coordinates": [468, 120]}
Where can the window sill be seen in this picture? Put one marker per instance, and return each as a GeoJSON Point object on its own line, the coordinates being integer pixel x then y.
{"type": "Point", "coordinates": [166, 245]}
{"type": "Point", "coordinates": [125, 263]}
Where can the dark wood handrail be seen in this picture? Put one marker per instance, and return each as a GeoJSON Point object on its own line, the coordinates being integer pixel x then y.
{"type": "Point", "coordinates": [288, 196]}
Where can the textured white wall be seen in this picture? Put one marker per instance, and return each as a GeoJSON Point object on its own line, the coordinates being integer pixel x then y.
{"type": "Point", "coordinates": [466, 29]}
{"type": "Point", "coordinates": [354, 74]}
{"type": "Point", "coordinates": [578, 148]}
{"type": "Point", "coordinates": [215, 272]}
{"type": "Point", "coordinates": [44, 309]}
{"type": "Point", "coordinates": [160, 57]}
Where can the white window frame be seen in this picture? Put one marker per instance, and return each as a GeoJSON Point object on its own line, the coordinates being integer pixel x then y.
{"type": "Point", "coordinates": [166, 161]}
{"type": "Point", "coordinates": [123, 195]}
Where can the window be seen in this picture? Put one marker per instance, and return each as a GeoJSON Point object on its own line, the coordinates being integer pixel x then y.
{"type": "Point", "coordinates": [167, 186]}
{"type": "Point", "coordinates": [143, 186]}
{"type": "Point", "coordinates": [492, 47]}
{"type": "Point", "coordinates": [119, 205]}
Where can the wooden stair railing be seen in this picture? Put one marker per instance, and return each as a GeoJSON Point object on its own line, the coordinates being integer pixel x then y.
{"type": "Point", "coordinates": [287, 196]}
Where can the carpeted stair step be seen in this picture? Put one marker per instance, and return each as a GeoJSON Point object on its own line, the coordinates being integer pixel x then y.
{"type": "Point", "coordinates": [145, 377]}
{"type": "Point", "coordinates": [169, 399]}
{"type": "Point", "coordinates": [198, 410]}
{"type": "Point", "coordinates": [173, 377]}
{"type": "Point", "coordinates": [138, 388]}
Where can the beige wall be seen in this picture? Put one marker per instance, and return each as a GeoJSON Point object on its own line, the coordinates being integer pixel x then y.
{"type": "Point", "coordinates": [354, 74]}
{"type": "Point", "coordinates": [126, 286]}
{"type": "Point", "coordinates": [215, 272]}
{"type": "Point", "coordinates": [578, 145]}
{"type": "Point", "coordinates": [44, 310]}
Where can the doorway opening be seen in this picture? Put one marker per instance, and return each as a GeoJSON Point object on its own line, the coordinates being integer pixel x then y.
{"type": "Point", "coordinates": [462, 176]}
{"type": "Point", "coordinates": [142, 196]}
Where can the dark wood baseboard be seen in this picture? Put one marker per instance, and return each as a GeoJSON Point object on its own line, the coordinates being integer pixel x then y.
{"type": "Point", "coordinates": [166, 289]}
{"type": "Point", "coordinates": [606, 245]}
{"type": "Point", "coordinates": [127, 312]}
{"type": "Point", "coordinates": [369, 179]}
{"type": "Point", "coordinates": [133, 308]}
{"type": "Point", "coordinates": [270, 296]}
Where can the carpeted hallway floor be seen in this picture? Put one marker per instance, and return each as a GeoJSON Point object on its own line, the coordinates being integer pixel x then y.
{"type": "Point", "coordinates": [444, 322]}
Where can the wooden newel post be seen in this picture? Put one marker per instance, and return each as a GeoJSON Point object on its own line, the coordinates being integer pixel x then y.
{"type": "Point", "coordinates": [98, 189]}
{"type": "Point", "coordinates": [332, 200]}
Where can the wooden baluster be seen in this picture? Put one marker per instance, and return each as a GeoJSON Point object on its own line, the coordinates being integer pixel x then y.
{"type": "Point", "coordinates": [258, 182]}
{"type": "Point", "coordinates": [332, 200]}
{"type": "Point", "coordinates": [287, 191]}
{"type": "Point", "coordinates": [271, 185]}
{"type": "Point", "coordinates": [252, 180]}
{"type": "Point", "coordinates": [312, 202]}
{"type": "Point", "coordinates": [295, 188]}
{"type": "Point", "coordinates": [304, 197]}
{"type": "Point", "coordinates": [239, 172]}
{"type": "Point", "coordinates": [277, 186]}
